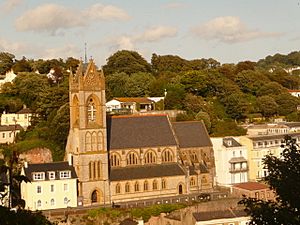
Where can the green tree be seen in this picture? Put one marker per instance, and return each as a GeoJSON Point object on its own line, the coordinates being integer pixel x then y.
{"type": "Point", "coordinates": [283, 178]}
{"type": "Point", "coordinates": [22, 65]}
{"type": "Point", "coordinates": [227, 128]}
{"type": "Point", "coordinates": [237, 105]}
{"type": "Point", "coordinates": [204, 116]}
{"type": "Point", "coordinates": [115, 85]}
{"type": "Point", "coordinates": [6, 62]}
{"type": "Point", "coordinates": [267, 105]}
{"type": "Point", "coordinates": [174, 97]}
{"type": "Point", "coordinates": [126, 61]}
{"type": "Point", "coordinates": [138, 84]}
{"type": "Point", "coordinates": [271, 88]}
{"type": "Point", "coordinates": [286, 104]}
{"type": "Point", "coordinates": [195, 103]}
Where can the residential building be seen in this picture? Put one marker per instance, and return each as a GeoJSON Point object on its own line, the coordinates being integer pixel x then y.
{"type": "Point", "coordinates": [137, 104]}
{"type": "Point", "coordinates": [295, 93]}
{"type": "Point", "coordinates": [261, 145]}
{"type": "Point", "coordinates": [8, 77]}
{"type": "Point", "coordinates": [133, 157]}
{"type": "Point", "coordinates": [230, 216]}
{"type": "Point", "coordinates": [8, 133]}
{"type": "Point", "coordinates": [253, 190]}
{"type": "Point", "coordinates": [231, 160]}
{"type": "Point", "coordinates": [51, 186]}
{"type": "Point", "coordinates": [22, 117]}
{"type": "Point", "coordinates": [267, 129]}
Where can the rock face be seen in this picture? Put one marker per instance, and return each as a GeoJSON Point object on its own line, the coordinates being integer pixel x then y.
{"type": "Point", "coordinates": [37, 155]}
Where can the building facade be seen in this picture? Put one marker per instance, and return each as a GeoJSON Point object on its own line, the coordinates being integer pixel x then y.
{"type": "Point", "coordinates": [8, 133]}
{"type": "Point", "coordinates": [22, 117]}
{"type": "Point", "coordinates": [125, 158]}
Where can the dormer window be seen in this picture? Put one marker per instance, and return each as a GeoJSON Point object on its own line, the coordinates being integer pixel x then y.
{"type": "Point", "coordinates": [51, 175]}
{"type": "Point", "coordinates": [65, 174]}
{"type": "Point", "coordinates": [38, 176]}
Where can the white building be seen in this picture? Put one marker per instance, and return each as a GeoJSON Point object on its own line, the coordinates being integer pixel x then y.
{"type": "Point", "coordinates": [22, 117]}
{"type": "Point", "coordinates": [9, 132]}
{"type": "Point", "coordinates": [52, 186]}
{"type": "Point", "coordinates": [231, 161]}
{"type": "Point", "coordinates": [9, 77]}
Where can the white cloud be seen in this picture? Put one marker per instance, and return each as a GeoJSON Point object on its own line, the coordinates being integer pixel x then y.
{"type": "Point", "coordinates": [229, 29]}
{"type": "Point", "coordinates": [174, 5]}
{"type": "Point", "coordinates": [53, 18]}
{"type": "Point", "coordinates": [9, 5]}
{"type": "Point", "coordinates": [157, 33]}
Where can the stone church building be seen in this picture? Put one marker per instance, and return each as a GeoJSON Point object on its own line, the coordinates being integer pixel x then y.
{"type": "Point", "coordinates": [132, 157]}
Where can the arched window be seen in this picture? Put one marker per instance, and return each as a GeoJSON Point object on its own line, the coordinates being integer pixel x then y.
{"type": "Point", "coordinates": [90, 170]}
{"type": "Point", "coordinates": [154, 185]}
{"type": "Point", "coordinates": [76, 109]}
{"type": "Point", "coordinates": [192, 182]}
{"type": "Point", "coordinates": [94, 169]}
{"type": "Point", "coordinates": [136, 187]}
{"type": "Point", "coordinates": [203, 180]}
{"type": "Point", "coordinates": [94, 141]}
{"type": "Point", "coordinates": [88, 141]}
{"type": "Point", "coordinates": [167, 156]}
{"type": "Point", "coordinates": [127, 187]}
{"type": "Point", "coordinates": [114, 160]}
{"type": "Point", "coordinates": [146, 186]}
{"type": "Point", "coordinates": [132, 158]}
{"type": "Point", "coordinates": [39, 203]}
{"type": "Point", "coordinates": [194, 157]}
{"type": "Point", "coordinates": [118, 189]}
{"type": "Point", "coordinates": [100, 141]}
{"type": "Point", "coordinates": [163, 184]}
{"type": "Point", "coordinates": [150, 157]}
{"type": "Point", "coordinates": [91, 110]}
{"type": "Point", "coordinates": [66, 201]}
{"type": "Point", "coordinates": [52, 202]}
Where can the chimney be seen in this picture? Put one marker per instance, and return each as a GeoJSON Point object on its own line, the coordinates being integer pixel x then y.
{"type": "Point", "coordinates": [70, 159]}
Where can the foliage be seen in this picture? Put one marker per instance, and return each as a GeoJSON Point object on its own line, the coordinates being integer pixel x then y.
{"type": "Point", "coordinates": [6, 62]}
{"type": "Point", "coordinates": [227, 128]}
{"type": "Point", "coordinates": [138, 84]}
{"type": "Point", "coordinates": [286, 104]}
{"type": "Point", "coordinates": [267, 105]}
{"type": "Point", "coordinates": [283, 177]}
{"type": "Point", "coordinates": [203, 116]}
{"type": "Point", "coordinates": [22, 217]}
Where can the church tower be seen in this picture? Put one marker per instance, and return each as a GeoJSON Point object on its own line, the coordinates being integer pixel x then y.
{"type": "Point", "coordinates": [87, 143]}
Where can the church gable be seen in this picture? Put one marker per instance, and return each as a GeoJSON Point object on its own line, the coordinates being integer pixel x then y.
{"type": "Point", "coordinates": [139, 131]}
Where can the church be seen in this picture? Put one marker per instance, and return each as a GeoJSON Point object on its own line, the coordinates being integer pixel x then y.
{"type": "Point", "coordinates": [132, 157]}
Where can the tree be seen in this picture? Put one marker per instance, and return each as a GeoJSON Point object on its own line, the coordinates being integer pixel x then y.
{"type": "Point", "coordinates": [267, 106]}
{"type": "Point", "coordinates": [6, 62]}
{"type": "Point", "coordinates": [204, 116]}
{"type": "Point", "coordinates": [138, 84]}
{"type": "Point", "coordinates": [286, 103]}
{"type": "Point", "coordinates": [126, 61]}
{"type": "Point", "coordinates": [284, 179]}
{"type": "Point", "coordinates": [227, 128]}
{"type": "Point", "coordinates": [237, 105]}
{"type": "Point", "coordinates": [22, 65]}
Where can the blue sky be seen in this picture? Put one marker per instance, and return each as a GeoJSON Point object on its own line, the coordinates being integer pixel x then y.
{"type": "Point", "coordinates": [226, 30]}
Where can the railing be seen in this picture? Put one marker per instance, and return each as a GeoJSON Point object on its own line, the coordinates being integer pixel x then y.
{"type": "Point", "coordinates": [238, 170]}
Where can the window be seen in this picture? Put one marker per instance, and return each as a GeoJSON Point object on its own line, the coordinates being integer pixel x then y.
{"type": "Point", "coordinates": [51, 175]}
{"type": "Point", "coordinates": [99, 141]}
{"type": "Point", "coordinates": [39, 203]}
{"type": "Point", "coordinates": [52, 188]}
{"type": "Point", "coordinates": [167, 156]}
{"type": "Point", "coordinates": [94, 141]}
{"type": "Point", "coordinates": [91, 111]}
{"type": "Point", "coordinates": [127, 187]}
{"type": "Point", "coordinates": [39, 176]}
{"type": "Point", "coordinates": [65, 174]}
{"type": "Point", "coordinates": [136, 187]}
{"type": "Point", "coordinates": [163, 184]}
{"type": "Point", "coordinates": [52, 202]}
{"type": "Point", "coordinates": [25, 116]}
{"type": "Point", "coordinates": [88, 141]}
{"type": "Point", "coordinates": [132, 158]}
{"type": "Point", "coordinates": [118, 189]}
{"type": "Point", "coordinates": [3, 135]}
{"type": "Point", "coordinates": [150, 157]}
{"type": "Point", "coordinates": [192, 182]}
{"type": "Point", "coordinates": [66, 201]}
{"type": "Point", "coordinates": [90, 170]}
{"type": "Point", "coordinates": [99, 169]}
{"type": "Point", "coordinates": [146, 186]}
{"type": "Point", "coordinates": [154, 185]}
{"type": "Point", "coordinates": [39, 189]}
{"type": "Point", "coordinates": [114, 160]}
{"type": "Point", "coordinates": [65, 187]}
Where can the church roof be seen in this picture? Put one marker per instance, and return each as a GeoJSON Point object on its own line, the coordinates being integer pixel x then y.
{"type": "Point", "coordinates": [191, 134]}
{"type": "Point", "coordinates": [146, 171]}
{"type": "Point", "coordinates": [139, 132]}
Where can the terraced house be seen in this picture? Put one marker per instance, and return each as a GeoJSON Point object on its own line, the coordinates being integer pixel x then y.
{"type": "Point", "coordinates": [124, 158]}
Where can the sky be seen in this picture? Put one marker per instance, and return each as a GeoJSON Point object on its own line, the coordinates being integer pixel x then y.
{"type": "Point", "coordinates": [229, 31]}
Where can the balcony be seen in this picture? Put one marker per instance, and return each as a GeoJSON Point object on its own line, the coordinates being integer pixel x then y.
{"type": "Point", "coordinates": [238, 170]}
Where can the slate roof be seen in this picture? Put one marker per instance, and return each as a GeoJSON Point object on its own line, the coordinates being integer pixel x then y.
{"type": "Point", "coordinates": [139, 132]}
{"type": "Point", "coordinates": [213, 215]}
{"type": "Point", "coordinates": [191, 134]}
{"type": "Point", "coordinates": [24, 111]}
{"type": "Point", "coordinates": [146, 171]}
{"type": "Point", "coordinates": [234, 142]}
{"type": "Point", "coordinates": [251, 186]}
{"type": "Point", "coordinates": [47, 167]}
{"type": "Point", "coordinates": [10, 127]}
{"type": "Point", "coordinates": [201, 167]}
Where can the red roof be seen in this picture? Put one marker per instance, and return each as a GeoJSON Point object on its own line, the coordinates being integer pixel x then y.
{"type": "Point", "coordinates": [294, 90]}
{"type": "Point", "coordinates": [251, 186]}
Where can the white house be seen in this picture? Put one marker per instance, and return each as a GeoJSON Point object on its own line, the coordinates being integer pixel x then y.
{"type": "Point", "coordinates": [22, 117]}
{"type": "Point", "coordinates": [135, 104]}
{"type": "Point", "coordinates": [295, 93]}
{"type": "Point", "coordinates": [53, 186]}
{"type": "Point", "coordinates": [231, 161]}
{"type": "Point", "coordinates": [8, 133]}
{"type": "Point", "coordinates": [9, 77]}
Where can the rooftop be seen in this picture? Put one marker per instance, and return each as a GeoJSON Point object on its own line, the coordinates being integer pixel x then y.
{"type": "Point", "coordinates": [251, 186]}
